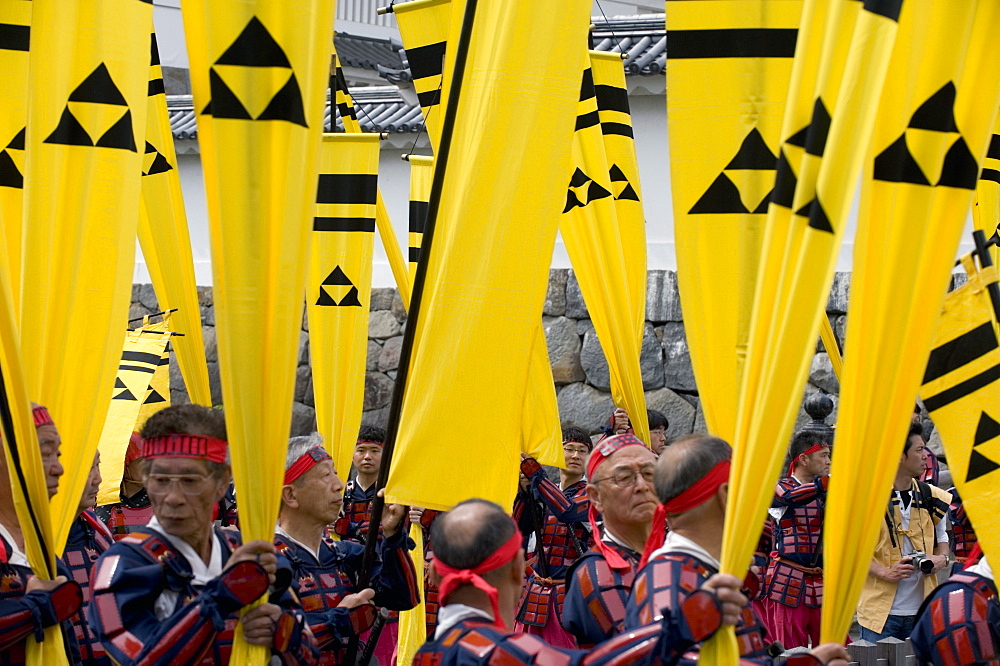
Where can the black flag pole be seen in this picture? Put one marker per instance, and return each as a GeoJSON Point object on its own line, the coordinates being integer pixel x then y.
{"type": "Point", "coordinates": [985, 260]}
{"type": "Point", "coordinates": [406, 351]}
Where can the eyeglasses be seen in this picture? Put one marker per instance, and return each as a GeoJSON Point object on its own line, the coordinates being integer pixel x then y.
{"type": "Point", "coordinates": [626, 478]}
{"type": "Point", "coordinates": [190, 484]}
{"type": "Point", "coordinates": [581, 451]}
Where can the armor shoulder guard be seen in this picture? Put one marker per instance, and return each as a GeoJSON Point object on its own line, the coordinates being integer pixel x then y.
{"type": "Point", "coordinates": [664, 583]}
{"type": "Point", "coordinates": [957, 623]}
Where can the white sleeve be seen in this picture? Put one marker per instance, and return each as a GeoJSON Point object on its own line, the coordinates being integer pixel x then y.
{"type": "Point", "coordinates": [941, 530]}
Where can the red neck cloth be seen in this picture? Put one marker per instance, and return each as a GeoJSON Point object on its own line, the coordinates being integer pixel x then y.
{"type": "Point", "coordinates": [656, 536]}
{"type": "Point", "coordinates": [808, 452]}
{"type": "Point", "coordinates": [604, 450]}
{"type": "Point", "coordinates": [41, 416]}
{"type": "Point", "coordinates": [452, 579]}
{"type": "Point", "coordinates": [306, 462]}
{"type": "Point", "coordinates": [178, 445]}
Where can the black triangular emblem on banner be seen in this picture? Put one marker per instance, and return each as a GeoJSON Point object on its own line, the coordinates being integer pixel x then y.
{"type": "Point", "coordinates": [819, 128]}
{"type": "Point", "coordinates": [69, 132]}
{"type": "Point", "coordinates": [595, 192]}
{"type": "Point", "coordinates": [119, 384]}
{"type": "Point", "coordinates": [119, 135]}
{"type": "Point", "coordinates": [337, 277]}
{"type": "Point", "coordinates": [979, 465]}
{"type": "Point", "coordinates": [286, 104]}
{"type": "Point", "coordinates": [761, 208]}
{"type": "Point", "coordinates": [98, 88]}
{"type": "Point", "coordinates": [896, 164]}
{"type": "Point", "coordinates": [124, 395]}
{"type": "Point", "coordinates": [960, 169]}
{"type": "Point", "coordinates": [753, 154]}
{"type": "Point", "coordinates": [617, 175]}
{"type": "Point", "coordinates": [154, 397]}
{"type": "Point", "coordinates": [628, 193]}
{"type": "Point", "coordinates": [255, 47]}
{"type": "Point", "coordinates": [785, 181]}
{"type": "Point", "coordinates": [818, 218]}
{"type": "Point", "coordinates": [351, 299]}
{"type": "Point", "coordinates": [325, 299]}
{"type": "Point", "coordinates": [938, 112]}
{"type": "Point", "coordinates": [224, 103]}
{"type": "Point", "coordinates": [722, 196]}
{"type": "Point", "coordinates": [10, 175]}
{"type": "Point", "coordinates": [17, 143]}
{"type": "Point", "coordinates": [987, 429]}
{"type": "Point", "coordinates": [799, 138]}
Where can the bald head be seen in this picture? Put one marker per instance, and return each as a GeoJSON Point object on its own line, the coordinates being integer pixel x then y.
{"type": "Point", "coordinates": [471, 532]}
{"type": "Point", "coordinates": [686, 461]}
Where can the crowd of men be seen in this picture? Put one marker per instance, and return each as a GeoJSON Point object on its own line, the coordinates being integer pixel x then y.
{"type": "Point", "coordinates": [616, 563]}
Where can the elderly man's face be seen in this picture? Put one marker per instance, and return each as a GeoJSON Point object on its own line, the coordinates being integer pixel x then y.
{"type": "Point", "coordinates": [183, 493]}
{"type": "Point", "coordinates": [320, 492]}
{"type": "Point", "coordinates": [49, 443]}
{"type": "Point", "coordinates": [622, 489]}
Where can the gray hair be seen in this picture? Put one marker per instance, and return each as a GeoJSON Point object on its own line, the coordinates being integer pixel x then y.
{"type": "Point", "coordinates": [297, 447]}
{"type": "Point", "coordinates": [687, 461]}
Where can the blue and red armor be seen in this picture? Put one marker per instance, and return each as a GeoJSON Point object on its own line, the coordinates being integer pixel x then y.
{"type": "Point", "coordinates": [131, 576]}
{"type": "Point", "coordinates": [795, 574]}
{"type": "Point", "coordinates": [28, 614]}
{"type": "Point", "coordinates": [665, 584]}
{"type": "Point", "coordinates": [596, 594]}
{"type": "Point", "coordinates": [431, 603]}
{"type": "Point", "coordinates": [965, 535]}
{"type": "Point", "coordinates": [356, 512]}
{"type": "Point", "coordinates": [564, 539]}
{"type": "Point", "coordinates": [959, 623]}
{"type": "Point", "coordinates": [88, 539]}
{"type": "Point", "coordinates": [129, 515]}
{"type": "Point", "coordinates": [323, 583]}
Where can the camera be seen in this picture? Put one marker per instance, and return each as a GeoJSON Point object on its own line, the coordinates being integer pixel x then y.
{"type": "Point", "coordinates": [918, 559]}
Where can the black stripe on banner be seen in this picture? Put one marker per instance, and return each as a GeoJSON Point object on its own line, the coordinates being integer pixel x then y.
{"type": "Point", "coordinates": [963, 350]}
{"type": "Point", "coordinates": [14, 37]}
{"type": "Point", "coordinates": [142, 357]}
{"type": "Point", "coordinates": [990, 174]}
{"type": "Point", "coordinates": [429, 98]}
{"type": "Point", "coordinates": [418, 216]}
{"type": "Point", "coordinates": [587, 120]}
{"type": "Point", "coordinates": [426, 60]}
{"type": "Point", "coordinates": [617, 128]}
{"type": "Point", "coordinates": [155, 88]}
{"type": "Point", "coordinates": [154, 52]}
{"type": "Point", "coordinates": [994, 151]}
{"type": "Point", "coordinates": [959, 391]}
{"type": "Point", "coordinates": [732, 43]}
{"type": "Point", "coordinates": [137, 368]}
{"type": "Point", "coordinates": [164, 360]}
{"type": "Point", "coordinates": [347, 188]}
{"type": "Point", "coordinates": [587, 85]}
{"type": "Point", "coordinates": [887, 8]}
{"type": "Point", "coordinates": [414, 255]}
{"type": "Point", "coordinates": [343, 224]}
{"type": "Point", "coordinates": [612, 98]}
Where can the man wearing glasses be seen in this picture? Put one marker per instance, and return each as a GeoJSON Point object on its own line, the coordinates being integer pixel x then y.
{"type": "Point", "coordinates": [620, 474]}
{"type": "Point", "coordinates": [555, 516]}
{"type": "Point", "coordinates": [172, 592]}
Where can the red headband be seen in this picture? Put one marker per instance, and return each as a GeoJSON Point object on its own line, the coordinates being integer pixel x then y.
{"type": "Point", "coordinates": [178, 445]}
{"type": "Point", "coordinates": [134, 450]}
{"type": "Point", "coordinates": [808, 452]}
{"type": "Point", "coordinates": [42, 417]}
{"type": "Point", "coordinates": [452, 579]}
{"type": "Point", "coordinates": [602, 451]}
{"type": "Point", "coordinates": [306, 462]}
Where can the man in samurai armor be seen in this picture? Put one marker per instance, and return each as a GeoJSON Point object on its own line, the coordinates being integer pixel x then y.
{"type": "Point", "coordinates": [794, 581]}
{"type": "Point", "coordinates": [88, 539]}
{"type": "Point", "coordinates": [620, 487]}
{"type": "Point", "coordinates": [964, 534]}
{"type": "Point", "coordinates": [360, 491]}
{"type": "Point", "coordinates": [556, 518]}
{"type": "Point", "coordinates": [28, 604]}
{"type": "Point", "coordinates": [172, 592]}
{"type": "Point", "coordinates": [479, 562]}
{"type": "Point", "coordinates": [134, 511]}
{"type": "Point", "coordinates": [915, 522]}
{"type": "Point", "coordinates": [326, 571]}
{"type": "Point", "coordinates": [692, 480]}
{"type": "Point", "coordinates": [425, 518]}
{"type": "Point", "coordinates": [959, 623]}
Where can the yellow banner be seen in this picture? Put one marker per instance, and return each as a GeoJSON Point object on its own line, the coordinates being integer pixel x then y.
{"type": "Point", "coordinates": [421, 175]}
{"type": "Point", "coordinates": [15, 26]}
{"type": "Point", "coordinates": [339, 288]}
{"type": "Point", "coordinates": [986, 204]}
{"type": "Point", "coordinates": [423, 26]}
{"type": "Point", "coordinates": [259, 73]}
{"type": "Point", "coordinates": [158, 393]}
{"type": "Point", "coordinates": [619, 147]}
{"type": "Point", "coordinates": [723, 141]}
{"type": "Point", "coordinates": [961, 390]}
{"type": "Point", "coordinates": [87, 100]}
{"type": "Point", "coordinates": [163, 237]}
{"type": "Point", "coordinates": [413, 623]}
{"type": "Point", "coordinates": [932, 131]}
{"type": "Point", "coordinates": [487, 270]}
{"type": "Point", "coordinates": [140, 357]}
{"type": "Point", "coordinates": [592, 233]}
{"type": "Point", "coordinates": [382, 222]}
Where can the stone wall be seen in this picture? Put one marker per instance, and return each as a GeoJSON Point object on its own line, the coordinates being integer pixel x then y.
{"type": "Point", "coordinates": [579, 368]}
